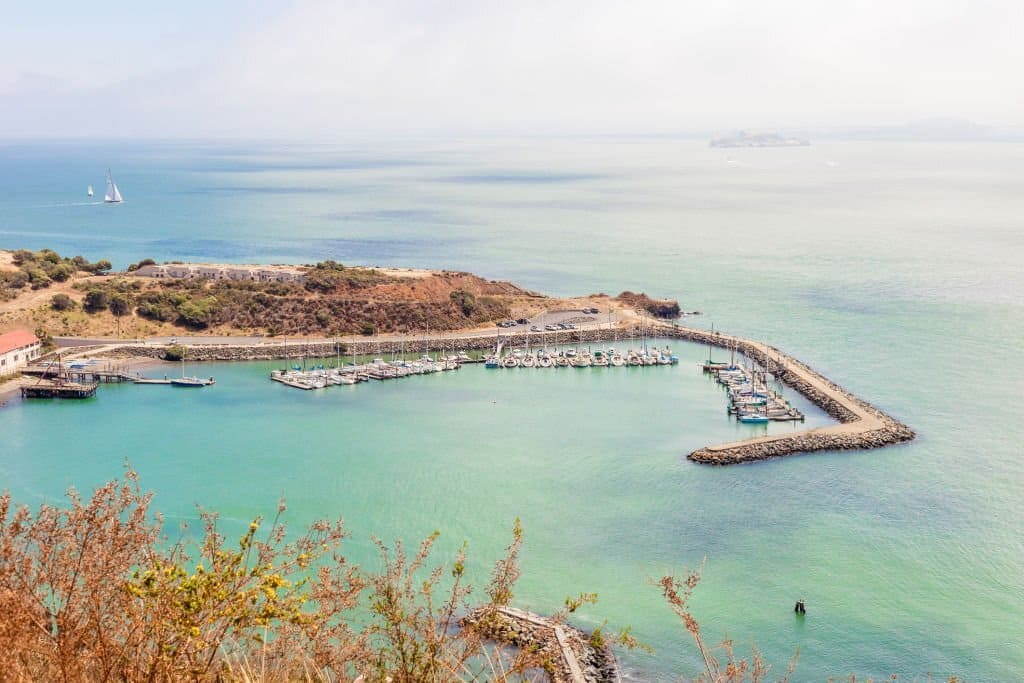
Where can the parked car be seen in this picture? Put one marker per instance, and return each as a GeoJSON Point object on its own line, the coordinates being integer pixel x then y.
{"type": "Point", "coordinates": [535, 328]}
{"type": "Point", "coordinates": [523, 321]}
{"type": "Point", "coordinates": [552, 328]}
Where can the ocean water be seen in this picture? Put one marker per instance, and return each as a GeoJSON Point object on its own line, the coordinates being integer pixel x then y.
{"type": "Point", "coordinates": [893, 268]}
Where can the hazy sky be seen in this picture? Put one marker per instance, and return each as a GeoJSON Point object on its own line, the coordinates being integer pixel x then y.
{"type": "Point", "coordinates": [329, 69]}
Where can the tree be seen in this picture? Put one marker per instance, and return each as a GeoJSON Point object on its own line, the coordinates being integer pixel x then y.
{"type": "Point", "coordinates": [62, 302]}
{"type": "Point", "coordinates": [96, 300]}
{"type": "Point", "coordinates": [198, 312]}
{"type": "Point", "coordinates": [101, 266]}
{"type": "Point", "coordinates": [62, 272]}
{"type": "Point", "coordinates": [120, 305]}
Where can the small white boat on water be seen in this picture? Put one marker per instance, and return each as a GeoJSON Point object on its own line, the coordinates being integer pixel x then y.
{"type": "Point", "coordinates": [88, 191]}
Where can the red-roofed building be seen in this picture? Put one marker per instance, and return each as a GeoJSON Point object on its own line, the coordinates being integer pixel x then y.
{"type": "Point", "coordinates": [17, 349]}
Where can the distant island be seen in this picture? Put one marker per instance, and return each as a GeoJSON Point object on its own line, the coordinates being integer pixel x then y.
{"type": "Point", "coordinates": [751, 139]}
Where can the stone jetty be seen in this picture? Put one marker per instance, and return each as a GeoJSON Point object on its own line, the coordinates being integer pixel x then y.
{"type": "Point", "coordinates": [568, 652]}
{"type": "Point", "coordinates": [861, 425]}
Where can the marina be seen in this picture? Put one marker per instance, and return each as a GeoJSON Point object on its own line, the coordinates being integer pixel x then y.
{"type": "Point", "coordinates": [751, 399]}
{"type": "Point", "coordinates": [321, 376]}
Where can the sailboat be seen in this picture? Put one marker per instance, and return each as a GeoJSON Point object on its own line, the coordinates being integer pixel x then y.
{"type": "Point", "coordinates": [184, 381]}
{"type": "Point", "coordinates": [113, 195]}
{"type": "Point", "coordinates": [89, 192]}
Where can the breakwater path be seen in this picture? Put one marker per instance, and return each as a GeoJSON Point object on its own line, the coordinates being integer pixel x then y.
{"type": "Point", "coordinates": [861, 425]}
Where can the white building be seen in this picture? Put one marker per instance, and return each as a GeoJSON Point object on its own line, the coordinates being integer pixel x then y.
{"type": "Point", "coordinates": [210, 271]}
{"type": "Point", "coordinates": [17, 349]}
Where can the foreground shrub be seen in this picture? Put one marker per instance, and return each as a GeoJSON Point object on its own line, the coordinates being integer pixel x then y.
{"type": "Point", "coordinates": [93, 591]}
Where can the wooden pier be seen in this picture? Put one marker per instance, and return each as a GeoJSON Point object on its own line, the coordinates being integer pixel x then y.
{"type": "Point", "coordinates": [86, 374]}
{"type": "Point", "coordinates": [48, 389]}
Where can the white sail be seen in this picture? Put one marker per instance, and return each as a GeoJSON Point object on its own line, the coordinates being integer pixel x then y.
{"type": "Point", "coordinates": [89, 191]}
{"type": "Point", "coordinates": [113, 195]}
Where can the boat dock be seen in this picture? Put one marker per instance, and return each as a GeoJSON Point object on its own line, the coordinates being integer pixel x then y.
{"type": "Point", "coordinates": [84, 373]}
{"type": "Point", "coordinates": [321, 377]}
{"type": "Point", "coordinates": [751, 400]}
{"type": "Point", "coordinates": [58, 389]}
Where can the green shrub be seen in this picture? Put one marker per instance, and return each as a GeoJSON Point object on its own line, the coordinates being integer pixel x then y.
{"type": "Point", "coordinates": [175, 353]}
{"type": "Point", "coordinates": [120, 304]}
{"type": "Point", "coordinates": [62, 302]}
{"type": "Point", "coordinates": [96, 300]}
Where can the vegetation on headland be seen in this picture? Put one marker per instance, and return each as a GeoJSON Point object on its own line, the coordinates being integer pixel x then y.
{"type": "Point", "coordinates": [333, 300]}
{"type": "Point", "coordinates": [40, 269]}
{"type": "Point", "coordinates": [95, 591]}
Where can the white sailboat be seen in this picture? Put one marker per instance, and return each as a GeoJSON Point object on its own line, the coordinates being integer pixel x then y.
{"type": "Point", "coordinates": [88, 192]}
{"type": "Point", "coordinates": [113, 195]}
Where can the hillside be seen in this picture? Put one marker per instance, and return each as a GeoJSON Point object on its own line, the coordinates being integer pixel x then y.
{"type": "Point", "coordinates": [333, 300]}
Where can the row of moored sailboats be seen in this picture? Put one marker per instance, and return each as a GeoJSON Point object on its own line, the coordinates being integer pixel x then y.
{"type": "Point", "coordinates": [751, 400]}
{"type": "Point", "coordinates": [584, 358]}
{"type": "Point", "coordinates": [320, 376]}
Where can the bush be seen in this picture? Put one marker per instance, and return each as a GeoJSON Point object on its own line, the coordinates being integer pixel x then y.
{"type": "Point", "coordinates": [144, 262]}
{"type": "Point", "coordinates": [120, 305]}
{"type": "Point", "coordinates": [197, 312]}
{"type": "Point", "coordinates": [156, 310]}
{"type": "Point", "coordinates": [38, 278]}
{"type": "Point", "coordinates": [175, 353]}
{"type": "Point", "coordinates": [62, 302]}
{"type": "Point", "coordinates": [99, 267]}
{"type": "Point", "coordinates": [464, 300]}
{"type": "Point", "coordinates": [62, 272]}
{"type": "Point", "coordinates": [96, 300]}
{"type": "Point", "coordinates": [90, 592]}
{"type": "Point", "coordinates": [367, 329]}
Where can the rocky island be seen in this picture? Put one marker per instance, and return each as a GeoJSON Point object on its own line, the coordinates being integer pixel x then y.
{"type": "Point", "coordinates": [754, 139]}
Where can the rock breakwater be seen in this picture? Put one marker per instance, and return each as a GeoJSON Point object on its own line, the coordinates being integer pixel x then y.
{"type": "Point", "coordinates": [862, 425]}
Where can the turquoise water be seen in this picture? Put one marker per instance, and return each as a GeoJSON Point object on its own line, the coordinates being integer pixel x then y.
{"type": "Point", "coordinates": [895, 270]}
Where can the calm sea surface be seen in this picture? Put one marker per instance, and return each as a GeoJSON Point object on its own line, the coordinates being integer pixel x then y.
{"type": "Point", "coordinates": [896, 269]}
